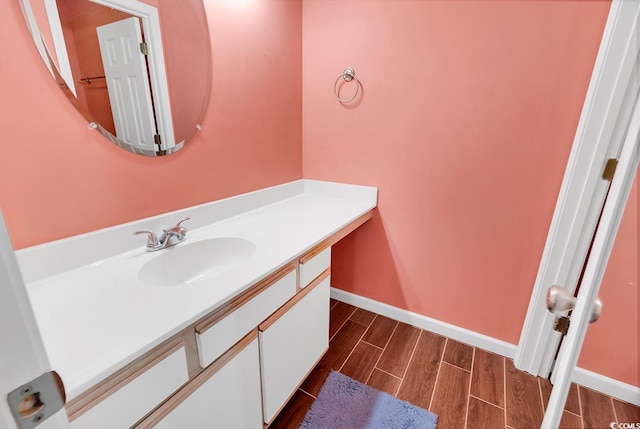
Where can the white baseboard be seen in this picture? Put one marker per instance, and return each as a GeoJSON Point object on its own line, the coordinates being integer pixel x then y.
{"type": "Point", "coordinates": [428, 324]}
{"type": "Point", "coordinates": [608, 386]}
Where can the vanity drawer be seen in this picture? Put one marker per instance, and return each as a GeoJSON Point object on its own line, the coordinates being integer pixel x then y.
{"type": "Point", "coordinates": [223, 329]}
{"type": "Point", "coordinates": [139, 396]}
{"type": "Point", "coordinates": [313, 264]}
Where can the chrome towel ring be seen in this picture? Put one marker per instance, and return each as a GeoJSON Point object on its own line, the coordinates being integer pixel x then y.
{"type": "Point", "coordinates": [348, 75]}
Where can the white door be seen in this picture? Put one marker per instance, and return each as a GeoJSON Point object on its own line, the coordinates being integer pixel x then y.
{"type": "Point", "coordinates": [22, 354]}
{"type": "Point", "coordinates": [594, 270]}
{"type": "Point", "coordinates": [125, 69]}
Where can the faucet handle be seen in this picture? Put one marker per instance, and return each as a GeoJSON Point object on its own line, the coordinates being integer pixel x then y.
{"type": "Point", "coordinates": [183, 220]}
{"type": "Point", "coordinates": [152, 238]}
{"type": "Point", "coordinates": [178, 229]}
{"type": "Point", "coordinates": [177, 233]}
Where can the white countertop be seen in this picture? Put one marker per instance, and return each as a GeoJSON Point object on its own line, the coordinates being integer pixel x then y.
{"type": "Point", "coordinates": [97, 316]}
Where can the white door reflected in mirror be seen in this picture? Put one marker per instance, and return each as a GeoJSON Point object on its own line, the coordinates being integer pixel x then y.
{"type": "Point", "coordinates": [125, 71]}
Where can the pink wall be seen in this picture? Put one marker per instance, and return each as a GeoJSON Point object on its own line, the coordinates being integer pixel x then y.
{"type": "Point", "coordinates": [611, 345]}
{"type": "Point", "coordinates": [465, 122]}
{"type": "Point", "coordinates": [58, 178]}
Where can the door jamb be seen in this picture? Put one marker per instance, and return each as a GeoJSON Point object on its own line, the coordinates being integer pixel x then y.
{"type": "Point", "coordinates": [598, 137]}
{"type": "Point", "coordinates": [594, 271]}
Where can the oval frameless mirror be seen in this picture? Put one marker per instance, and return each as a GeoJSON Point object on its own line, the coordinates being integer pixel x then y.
{"type": "Point", "coordinates": [140, 71]}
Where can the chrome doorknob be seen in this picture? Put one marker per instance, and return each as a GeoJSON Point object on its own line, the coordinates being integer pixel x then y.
{"type": "Point", "coordinates": [559, 300]}
{"type": "Point", "coordinates": [597, 309]}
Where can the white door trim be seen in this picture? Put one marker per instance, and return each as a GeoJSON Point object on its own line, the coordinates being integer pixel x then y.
{"type": "Point", "coordinates": [62, 56]}
{"type": "Point", "coordinates": [594, 270]}
{"type": "Point", "coordinates": [606, 110]}
{"type": "Point", "coordinates": [32, 25]}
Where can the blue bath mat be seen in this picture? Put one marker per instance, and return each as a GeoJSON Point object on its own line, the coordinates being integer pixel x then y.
{"type": "Point", "coordinates": [344, 403]}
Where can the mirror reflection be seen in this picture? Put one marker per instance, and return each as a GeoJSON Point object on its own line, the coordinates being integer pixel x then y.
{"type": "Point", "coordinates": [141, 72]}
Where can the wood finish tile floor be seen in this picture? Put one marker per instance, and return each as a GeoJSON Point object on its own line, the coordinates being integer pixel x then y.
{"type": "Point", "coordinates": [465, 386]}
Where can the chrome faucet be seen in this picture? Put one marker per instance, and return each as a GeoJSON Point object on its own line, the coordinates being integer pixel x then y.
{"type": "Point", "coordinates": [168, 238]}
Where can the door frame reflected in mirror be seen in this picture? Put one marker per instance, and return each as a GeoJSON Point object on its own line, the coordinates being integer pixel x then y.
{"type": "Point", "coordinates": [150, 21]}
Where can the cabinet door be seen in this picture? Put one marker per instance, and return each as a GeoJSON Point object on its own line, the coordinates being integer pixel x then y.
{"type": "Point", "coordinates": [290, 346]}
{"type": "Point", "coordinates": [229, 399]}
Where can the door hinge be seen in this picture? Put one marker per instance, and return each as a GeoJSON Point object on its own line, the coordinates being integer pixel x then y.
{"type": "Point", "coordinates": [157, 140]}
{"type": "Point", "coordinates": [562, 325]}
{"type": "Point", "coordinates": [609, 169]}
{"type": "Point", "coordinates": [144, 48]}
{"type": "Point", "coordinates": [36, 401]}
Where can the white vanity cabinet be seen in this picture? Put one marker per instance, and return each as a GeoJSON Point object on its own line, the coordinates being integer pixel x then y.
{"type": "Point", "coordinates": [291, 342]}
{"type": "Point", "coordinates": [236, 339]}
{"type": "Point", "coordinates": [235, 368]}
{"type": "Point", "coordinates": [223, 396]}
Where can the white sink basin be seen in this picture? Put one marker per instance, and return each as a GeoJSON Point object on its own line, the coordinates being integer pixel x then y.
{"type": "Point", "coordinates": [186, 263]}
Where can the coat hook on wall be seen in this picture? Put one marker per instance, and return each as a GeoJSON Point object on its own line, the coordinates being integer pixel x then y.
{"type": "Point", "coordinates": [348, 75]}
